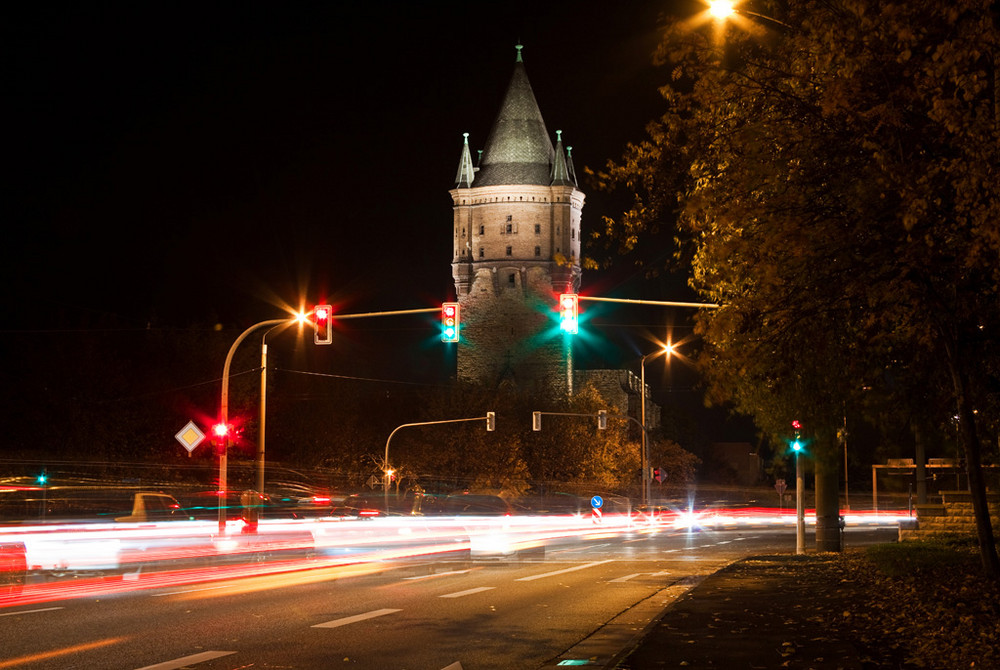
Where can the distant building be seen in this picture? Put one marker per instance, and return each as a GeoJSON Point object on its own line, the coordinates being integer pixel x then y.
{"type": "Point", "coordinates": [516, 247]}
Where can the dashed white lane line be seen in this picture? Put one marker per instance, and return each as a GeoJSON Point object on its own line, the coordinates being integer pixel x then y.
{"type": "Point", "coordinates": [188, 660]}
{"type": "Point", "coordinates": [439, 574]}
{"type": "Point", "coordinates": [468, 592]}
{"type": "Point", "coordinates": [43, 609]}
{"type": "Point", "coordinates": [625, 578]}
{"type": "Point", "coordinates": [563, 571]}
{"type": "Point", "coordinates": [354, 619]}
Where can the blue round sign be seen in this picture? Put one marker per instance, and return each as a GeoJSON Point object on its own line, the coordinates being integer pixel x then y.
{"type": "Point", "coordinates": [597, 501]}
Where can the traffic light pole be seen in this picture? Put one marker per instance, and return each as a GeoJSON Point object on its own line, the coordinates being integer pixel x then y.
{"type": "Point", "coordinates": [602, 417]}
{"type": "Point", "coordinates": [489, 418]}
{"type": "Point", "coordinates": [800, 517]}
{"type": "Point", "coordinates": [662, 303]}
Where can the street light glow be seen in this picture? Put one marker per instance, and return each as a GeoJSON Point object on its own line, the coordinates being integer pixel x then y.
{"type": "Point", "coordinates": [721, 9]}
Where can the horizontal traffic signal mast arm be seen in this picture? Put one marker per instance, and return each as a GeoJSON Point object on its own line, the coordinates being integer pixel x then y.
{"type": "Point", "coordinates": [423, 310]}
{"type": "Point", "coordinates": [666, 303]}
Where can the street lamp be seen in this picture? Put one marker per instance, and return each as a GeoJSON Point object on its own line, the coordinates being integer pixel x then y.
{"type": "Point", "coordinates": [667, 349]}
{"type": "Point", "coordinates": [224, 412]}
{"type": "Point", "coordinates": [723, 10]}
{"type": "Point", "coordinates": [300, 318]}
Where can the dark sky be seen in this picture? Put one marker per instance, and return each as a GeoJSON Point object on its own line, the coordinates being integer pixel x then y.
{"type": "Point", "coordinates": [177, 163]}
{"type": "Point", "coordinates": [182, 161]}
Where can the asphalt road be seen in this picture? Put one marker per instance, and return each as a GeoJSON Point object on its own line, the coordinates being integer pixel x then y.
{"type": "Point", "coordinates": [583, 599]}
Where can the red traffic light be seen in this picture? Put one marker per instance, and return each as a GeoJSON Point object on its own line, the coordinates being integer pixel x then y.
{"type": "Point", "coordinates": [450, 324]}
{"type": "Point", "coordinates": [220, 432]}
{"type": "Point", "coordinates": [323, 321]}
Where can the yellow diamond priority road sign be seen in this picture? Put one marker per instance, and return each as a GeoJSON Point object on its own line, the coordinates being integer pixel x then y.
{"type": "Point", "coordinates": [190, 436]}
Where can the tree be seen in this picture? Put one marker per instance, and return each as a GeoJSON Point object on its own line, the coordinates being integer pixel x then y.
{"type": "Point", "coordinates": [833, 171]}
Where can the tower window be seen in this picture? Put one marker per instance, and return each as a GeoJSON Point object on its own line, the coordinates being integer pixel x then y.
{"type": "Point", "coordinates": [509, 228]}
{"type": "Point", "coordinates": [510, 251]}
{"type": "Point", "coordinates": [510, 217]}
{"type": "Point", "coordinates": [481, 252]}
{"type": "Point", "coordinates": [482, 230]}
{"type": "Point", "coordinates": [538, 229]}
{"type": "Point", "coordinates": [510, 279]}
{"type": "Point", "coordinates": [538, 251]}
{"type": "Point", "coordinates": [573, 234]}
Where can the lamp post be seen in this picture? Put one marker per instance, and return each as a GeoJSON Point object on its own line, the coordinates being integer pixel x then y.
{"type": "Point", "coordinates": [263, 410]}
{"type": "Point", "coordinates": [224, 412]}
{"type": "Point", "coordinates": [667, 349]}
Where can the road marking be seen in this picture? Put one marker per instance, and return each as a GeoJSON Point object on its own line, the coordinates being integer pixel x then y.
{"type": "Point", "coordinates": [440, 574]}
{"type": "Point", "coordinates": [187, 660]}
{"type": "Point", "coordinates": [468, 592]}
{"type": "Point", "coordinates": [354, 619]}
{"type": "Point", "coordinates": [661, 573]}
{"type": "Point", "coordinates": [563, 571]}
{"type": "Point", "coordinates": [175, 593]}
{"type": "Point", "coordinates": [44, 609]}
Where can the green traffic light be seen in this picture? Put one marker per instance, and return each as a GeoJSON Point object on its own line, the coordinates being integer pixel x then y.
{"type": "Point", "coordinates": [42, 478]}
{"type": "Point", "coordinates": [797, 445]}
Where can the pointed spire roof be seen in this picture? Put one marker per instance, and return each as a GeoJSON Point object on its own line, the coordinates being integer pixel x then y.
{"type": "Point", "coordinates": [466, 172]}
{"type": "Point", "coordinates": [518, 150]}
{"type": "Point", "coordinates": [569, 166]}
{"type": "Point", "coordinates": [560, 169]}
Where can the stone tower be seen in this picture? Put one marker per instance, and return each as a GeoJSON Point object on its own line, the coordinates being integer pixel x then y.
{"type": "Point", "coordinates": [516, 247]}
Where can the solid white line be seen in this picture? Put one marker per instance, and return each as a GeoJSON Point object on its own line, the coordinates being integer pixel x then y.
{"type": "Point", "coordinates": [354, 619]}
{"type": "Point", "coordinates": [187, 660]}
{"type": "Point", "coordinates": [559, 572]}
{"type": "Point", "coordinates": [44, 609]}
{"type": "Point", "coordinates": [468, 592]}
{"type": "Point", "coordinates": [625, 578]}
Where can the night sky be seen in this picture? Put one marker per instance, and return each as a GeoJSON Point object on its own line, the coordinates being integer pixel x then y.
{"type": "Point", "coordinates": [173, 164]}
{"type": "Point", "coordinates": [178, 162]}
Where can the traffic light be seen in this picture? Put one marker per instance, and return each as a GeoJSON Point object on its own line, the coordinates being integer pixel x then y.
{"type": "Point", "coordinates": [491, 421]}
{"type": "Point", "coordinates": [42, 478]}
{"type": "Point", "coordinates": [449, 322]}
{"type": "Point", "coordinates": [797, 444]}
{"type": "Point", "coordinates": [659, 475]}
{"type": "Point", "coordinates": [323, 319]}
{"type": "Point", "coordinates": [220, 432]}
{"type": "Point", "coordinates": [569, 312]}
{"type": "Point", "coordinates": [536, 421]}
{"type": "Point", "coordinates": [602, 419]}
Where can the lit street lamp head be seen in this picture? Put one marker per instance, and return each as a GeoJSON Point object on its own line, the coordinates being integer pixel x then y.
{"type": "Point", "coordinates": [721, 9]}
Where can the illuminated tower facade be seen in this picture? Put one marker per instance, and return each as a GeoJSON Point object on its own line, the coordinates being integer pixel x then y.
{"type": "Point", "coordinates": [516, 247]}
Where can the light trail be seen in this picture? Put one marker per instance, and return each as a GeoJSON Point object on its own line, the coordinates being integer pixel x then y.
{"type": "Point", "coordinates": [108, 558]}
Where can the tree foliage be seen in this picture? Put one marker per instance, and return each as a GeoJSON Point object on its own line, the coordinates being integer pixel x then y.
{"type": "Point", "coordinates": [833, 166]}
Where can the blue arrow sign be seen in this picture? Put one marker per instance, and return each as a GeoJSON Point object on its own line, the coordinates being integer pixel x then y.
{"type": "Point", "coordinates": [597, 501]}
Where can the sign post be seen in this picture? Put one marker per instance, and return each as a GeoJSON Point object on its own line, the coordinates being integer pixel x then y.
{"type": "Point", "coordinates": [597, 502]}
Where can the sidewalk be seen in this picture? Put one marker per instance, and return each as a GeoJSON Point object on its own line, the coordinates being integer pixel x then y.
{"type": "Point", "coordinates": [777, 611]}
